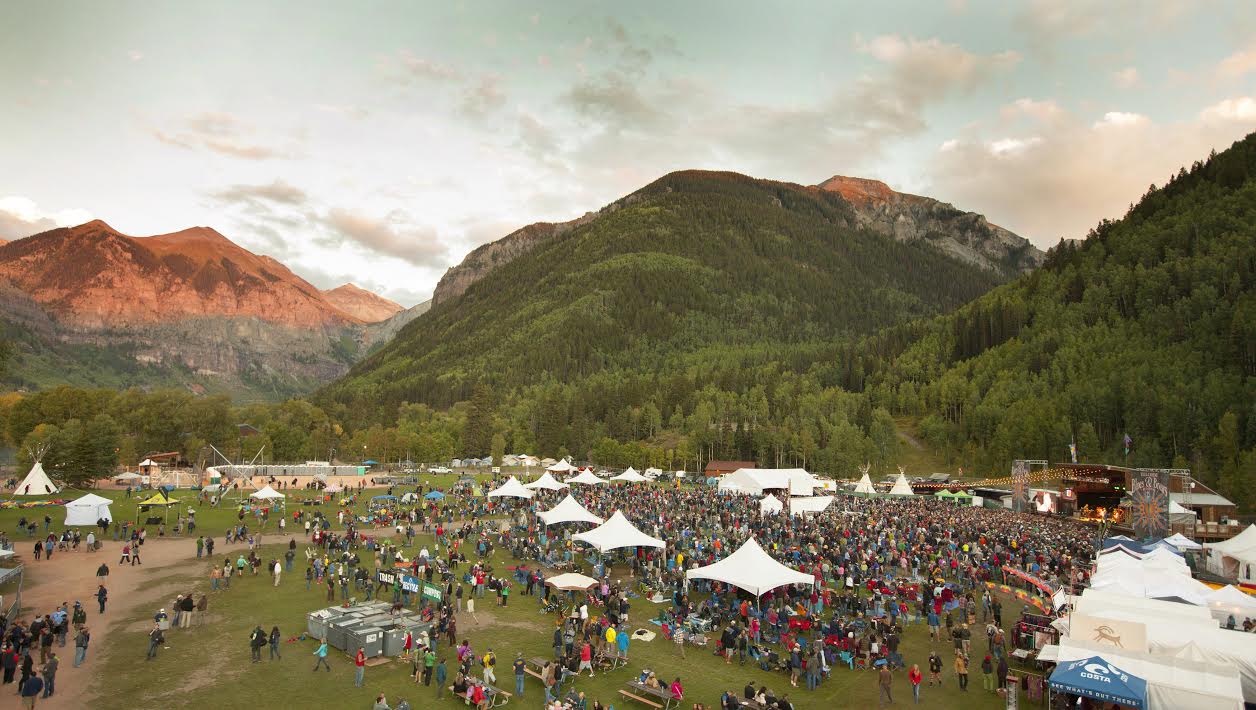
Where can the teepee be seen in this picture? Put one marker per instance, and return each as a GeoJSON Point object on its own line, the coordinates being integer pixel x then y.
{"type": "Point", "coordinates": [36, 483]}
{"type": "Point", "coordinates": [901, 486]}
{"type": "Point", "coordinates": [864, 487]}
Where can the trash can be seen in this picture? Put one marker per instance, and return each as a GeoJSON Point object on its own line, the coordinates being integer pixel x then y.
{"type": "Point", "coordinates": [369, 637]}
{"type": "Point", "coordinates": [317, 622]}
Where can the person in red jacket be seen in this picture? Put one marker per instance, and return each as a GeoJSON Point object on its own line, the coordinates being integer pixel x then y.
{"type": "Point", "coordinates": [359, 671]}
{"type": "Point", "coordinates": [915, 677]}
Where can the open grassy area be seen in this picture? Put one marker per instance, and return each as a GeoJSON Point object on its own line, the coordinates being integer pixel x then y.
{"type": "Point", "coordinates": [209, 666]}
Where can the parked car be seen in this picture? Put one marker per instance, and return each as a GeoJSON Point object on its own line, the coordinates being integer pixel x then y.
{"type": "Point", "coordinates": [440, 469]}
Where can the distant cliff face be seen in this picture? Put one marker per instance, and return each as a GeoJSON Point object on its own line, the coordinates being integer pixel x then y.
{"type": "Point", "coordinates": [362, 304]}
{"type": "Point", "coordinates": [965, 235]}
{"type": "Point", "coordinates": [89, 305]}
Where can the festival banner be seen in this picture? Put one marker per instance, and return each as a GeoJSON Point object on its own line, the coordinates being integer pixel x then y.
{"type": "Point", "coordinates": [408, 582]}
{"type": "Point", "coordinates": [431, 591]}
{"type": "Point", "coordinates": [1030, 579]}
{"type": "Point", "coordinates": [1126, 635]}
{"type": "Point", "coordinates": [1149, 503]}
{"type": "Point", "coordinates": [1020, 487]}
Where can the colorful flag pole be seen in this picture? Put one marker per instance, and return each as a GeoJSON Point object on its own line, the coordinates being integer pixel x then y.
{"type": "Point", "coordinates": [1128, 443]}
{"type": "Point", "coordinates": [1072, 450]}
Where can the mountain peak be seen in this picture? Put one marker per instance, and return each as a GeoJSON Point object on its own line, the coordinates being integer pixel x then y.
{"type": "Point", "coordinates": [362, 304]}
{"type": "Point", "coordinates": [859, 191]}
{"type": "Point", "coordinates": [95, 225]}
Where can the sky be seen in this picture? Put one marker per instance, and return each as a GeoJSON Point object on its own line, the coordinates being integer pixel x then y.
{"type": "Point", "coordinates": [379, 142]}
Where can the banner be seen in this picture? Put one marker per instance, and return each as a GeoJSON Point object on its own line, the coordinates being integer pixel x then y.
{"type": "Point", "coordinates": [1149, 503]}
{"type": "Point", "coordinates": [1030, 579]}
{"type": "Point", "coordinates": [1128, 635]}
{"type": "Point", "coordinates": [431, 591]}
{"type": "Point", "coordinates": [1020, 487]}
{"type": "Point", "coordinates": [409, 583]}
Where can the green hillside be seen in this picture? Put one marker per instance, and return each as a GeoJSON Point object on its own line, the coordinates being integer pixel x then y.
{"type": "Point", "coordinates": [1148, 327]}
{"type": "Point", "coordinates": [695, 263]}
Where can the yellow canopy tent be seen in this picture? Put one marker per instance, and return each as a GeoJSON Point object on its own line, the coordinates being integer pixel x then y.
{"type": "Point", "coordinates": [158, 499]}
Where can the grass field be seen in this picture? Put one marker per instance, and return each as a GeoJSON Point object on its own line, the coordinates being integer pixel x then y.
{"type": "Point", "coordinates": [209, 666]}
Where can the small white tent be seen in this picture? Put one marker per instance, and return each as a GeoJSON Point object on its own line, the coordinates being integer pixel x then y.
{"type": "Point", "coordinates": [87, 510]}
{"type": "Point", "coordinates": [1182, 542]}
{"type": "Point", "coordinates": [569, 510]}
{"type": "Point", "coordinates": [545, 482]}
{"type": "Point", "coordinates": [36, 483]}
{"type": "Point", "coordinates": [267, 493]}
{"type": "Point", "coordinates": [587, 478]}
{"type": "Point", "coordinates": [751, 569]}
{"type": "Point", "coordinates": [1236, 557]}
{"type": "Point", "coordinates": [561, 467]}
{"type": "Point", "coordinates": [1230, 600]}
{"type": "Point", "coordinates": [864, 487]}
{"type": "Point", "coordinates": [571, 582]}
{"type": "Point", "coordinates": [809, 504]}
{"type": "Point", "coordinates": [901, 487]}
{"type": "Point", "coordinates": [770, 505]}
{"type": "Point", "coordinates": [512, 488]}
{"type": "Point", "coordinates": [630, 476]}
{"type": "Point", "coordinates": [615, 533]}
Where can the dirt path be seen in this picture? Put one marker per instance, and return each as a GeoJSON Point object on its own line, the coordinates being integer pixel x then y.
{"type": "Point", "coordinates": [71, 576]}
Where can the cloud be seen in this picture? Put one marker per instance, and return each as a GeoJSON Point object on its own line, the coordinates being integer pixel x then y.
{"type": "Point", "coordinates": [408, 68]}
{"type": "Point", "coordinates": [1047, 22]}
{"type": "Point", "coordinates": [21, 217]}
{"type": "Point", "coordinates": [135, 55]}
{"type": "Point", "coordinates": [277, 191]}
{"type": "Point", "coordinates": [1062, 173]}
{"type": "Point", "coordinates": [220, 133]}
{"type": "Point", "coordinates": [485, 97]}
{"type": "Point", "coordinates": [1237, 65]}
{"type": "Point", "coordinates": [393, 235]}
{"type": "Point", "coordinates": [1126, 78]}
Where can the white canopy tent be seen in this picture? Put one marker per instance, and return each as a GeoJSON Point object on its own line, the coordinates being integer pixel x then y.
{"type": "Point", "coordinates": [901, 487]}
{"type": "Point", "coordinates": [1230, 600]}
{"type": "Point", "coordinates": [756, 481]}
{"type": "Point", "coordinates": [545, 482]}
{"type": "Point", "coordinates": [512, 488]}
{"type": "Point", "coordinates": [615, 533]}
{"type": "Point", "coordinates": [1096, 601]}
{"type": "Point", "coordinates": [1182, 542]}
{"type": "Point", "coordinates": [1236, 557]}
{"type": "Point", "coordinates": [561, 467]}
{"type": "Point", "coordinates": [865, 486]}
{"type": "Point", "coordinates": [267, 493]}
{"type": "Point", "coordinates": [809, 504]}
{"type": "Point", "coordinates": [630, 476]}
{"type": "Point", "coordinates": [36, 483]}
{"type": "Point", "coordinates": [1153, 584]}
{"type": "Point", "coordinates": [568, 510]}
{"type": "Point", "coordinates": [333, 488]}
{"type": "Point", "coordinates": [87, 510]}
{"type": "Point", "coordinates": [1172, 683]}
{"type": "Point", "coordinates": [128, 476]}
{"type": "Point", "coordinates": [587, 478]}
{"type": "Point", "coordinates": [751, 569]}
{"type": "Point", "coordinates": [571, 582]}
{"type": "Point", "coordinates": [770, 505]}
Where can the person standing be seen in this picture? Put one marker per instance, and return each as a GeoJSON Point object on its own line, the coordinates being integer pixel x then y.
{"type": "Point", "coordinates": [429, 662]}
{"type": "Point", "coordinates": [441, 674]}
{"type": "Point", "coordinates": [275, 571]}
{"type": "Point", "coordinates": [321, 653]}
{"type": "Point", "coordinates": [30, 690]}
{"type": "Point", "coordinates": [50, 674]}
{"type": "Point", "coordinates": [885, 682]}
{"type": "Point", "coordinates": [81, 639]}
{"type": "Point", "coordinates": [274, 643]}
{"type": "Point", "coordinates": [200, 546]}
{"type": "Point", "coordinates": [102, 595]}
{"type": "Point", "coordinates": [519, 667]}
{"type": "Point", "coordinates": [914, 675]}
{"type": "Point", "coordinates": [987, 674]}
{"type": "Point", "coordinates": [257, 639]}
{"type": "Point", "coordinates": [155, 639]}
{"type": "Point", "coordinates": [961, 671]}
{"type": "Point", "coordinates": [359, 667]}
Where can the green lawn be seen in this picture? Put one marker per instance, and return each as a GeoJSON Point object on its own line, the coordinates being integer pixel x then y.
{"type": "Point", "coordinates": [209, 667]}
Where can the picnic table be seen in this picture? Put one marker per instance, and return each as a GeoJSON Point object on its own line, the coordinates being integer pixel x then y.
{"type": "Point", "coordinates": [752, 704]}
{"type": "Point", "coordinates": [643, 693]}
{"type": "Point", "coordinates": [534, 665]}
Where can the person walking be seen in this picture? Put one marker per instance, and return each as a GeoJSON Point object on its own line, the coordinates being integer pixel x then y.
{"type": "Point", "coordinates": [257, 639]}
{"type": "Point", "coordinates": [102, 595]}
{"type": "Point", "coordinates": [961, 671]}
{"type": "Point", "coordinates": [155, 639]}
{"type": "Point", "coordinates": [915, 676]}
{"type": "Point", "coordinates": [50, 674]}
{"type": "Point", "coordinates": [30, 690]}
{"type": "Point", "coordinates": [274, 643]}
{"type": "Point", "coordinates": [359, 668]}
{"type": "Point", "coordinates": [81, 639]}
{"type": "Point", "coordinates": [987, 674]}
{"type": "Point", "coordinates": [321, 654]}
{"type": "Point", "coordinates": [885, 682]}
{"type": "Point", "coordinates": [490, 667]}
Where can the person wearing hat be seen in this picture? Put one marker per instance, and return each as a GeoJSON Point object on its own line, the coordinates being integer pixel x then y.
{"type": "Point", "coordinates": [519, 667]}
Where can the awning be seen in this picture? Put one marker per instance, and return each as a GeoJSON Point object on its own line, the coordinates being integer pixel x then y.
{"type": "Point", "coordinates": [1098, 679]}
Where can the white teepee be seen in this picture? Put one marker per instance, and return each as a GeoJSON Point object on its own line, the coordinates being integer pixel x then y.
{"type": "Point", "coordinates": [901, 486]}
{"type": "Point", "coordinates": [865, 485]}
{"type": "Point", "coordinates": [36, 483]}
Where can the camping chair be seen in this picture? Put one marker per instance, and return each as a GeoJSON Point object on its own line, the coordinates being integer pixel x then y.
{"type": "Point", "coordinates": [861, 662]}
{"type": "Point", "coordinates": [847, 658]}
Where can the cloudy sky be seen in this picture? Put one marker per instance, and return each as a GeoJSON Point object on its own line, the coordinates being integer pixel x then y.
{"type": "Point", "coordinates": [378, 143]}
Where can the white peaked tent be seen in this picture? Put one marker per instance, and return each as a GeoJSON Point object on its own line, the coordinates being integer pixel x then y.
{"type": "Point", "coordinates": [128, 476]}
{"type": "Point", "coordinates": [88, 509]}
{"type": "Point", "coordinates": [751, 569]}
{"type": "Point", "coordinates": [770, 505]}
{"type": "Point", "coordinates": [267, 493]}
{"type": "Point", "coordinates": [569, 510]}
{"type": "Point", "coordinates": [36, 483]}
{"type": "Point", "coordinates": [587, 478]}
{"type": "Point", "coordinates": [1182, 542]}
{"type": "Point", "coordinates": [1236, 557]}
{"type": "Point", "coordinates": [1230, 600]}
{"type": "Point", "coordinates": [545, 482]}
{"type": "Point", "coordinates": [901, 487]}
{"type": "Point", "coordinates": [865, 486]}
{"type": "Point", "coordinates": [571, 582]}
{"type": "Point", "coordinates": [561, 467]}
{"type": "Point", "coordinates": [631, 476]}
{"type": "Point", "coordinates": [757, 480]}
{"type": "Point", "coordinates": [809, 504]}
{"type": "Point", "coordinates": [616, 533]}
{"type": "Point", "coordinates": [512, 488]}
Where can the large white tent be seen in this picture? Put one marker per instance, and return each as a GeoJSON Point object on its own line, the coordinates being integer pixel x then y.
{"type": "Point", "coordinates": [1182, 542]}
{"type": "Point", "coordinates": [36, 483]}
{"type": "Point", "coordinates": [545, 482]}
{"type": "Point", "coordinates": [561, 467]}
{"type": "Point", "coordinates": [901, 487]}
{"type": "Point", "coordinates": [809, 504]}
{"type": "Point", "coordinates": [770, 505]}
{"type": "Point", "coordinates": [1153, 583]}
{"type": "Point", "coordinates": [1235, 557]}
{"type": "Point", "coordinates": [756, 481]}
{"type": "Point", "coordinates": [87, 510]}
{"type": "Point", "coordinates": [512, 488]}
{"type": "Point", "coordinates": [1095, 602]}
{"type": "Point", "coordinates": [1230, 600]}
{"type": "Point", "coordinates": [751, 569]}
{"type": "Point", "coordinates": [631, 476]}
{"type": "Point", "coordinates": [1172, 683]}
{"type": "Point", "coordinates": [568, 510]}
{"type": "Point", "coordinates": [615, 533]}
{"type": "Point", "coordinates": [585, 477]}
{"type": "Point", "coordinates": [864, 486]}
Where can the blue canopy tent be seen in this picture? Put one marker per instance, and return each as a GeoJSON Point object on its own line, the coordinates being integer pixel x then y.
{"type": "Point", "coordinates": [370, 462]}
{"type": "Point", "coordinates": [434, 495]}
{"type": "Point", "coordinates": [1098, 679]}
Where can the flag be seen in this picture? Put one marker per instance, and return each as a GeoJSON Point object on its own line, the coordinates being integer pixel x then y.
{"type": "Point", "coordinates": [1128, 443]}
{"type": "Point", "coordinates": [1072, 450]}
